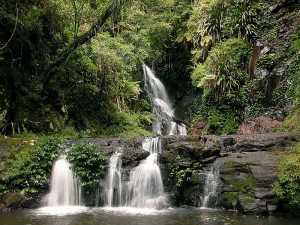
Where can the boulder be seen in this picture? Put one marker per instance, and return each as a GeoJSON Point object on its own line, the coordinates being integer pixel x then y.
{"type": "Point", "coordinates": [258, 125]}
{"type": "Point", "coordinates": [247, 204]}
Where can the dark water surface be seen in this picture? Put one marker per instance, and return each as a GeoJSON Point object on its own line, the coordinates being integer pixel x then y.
{"type": "Point", "coordinates": [133, 216]}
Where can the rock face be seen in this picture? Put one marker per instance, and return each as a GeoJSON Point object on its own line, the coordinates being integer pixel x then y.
{"type": "Point", "coordinates": [259, 125]}
{"type": "Point", "coordinates": [247, 167]}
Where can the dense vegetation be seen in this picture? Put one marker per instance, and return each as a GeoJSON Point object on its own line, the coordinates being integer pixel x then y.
{"type": "Point", "coordinates": [67, 63]}
{"type": "Point", "coordinates": [28, 166]}
{"type": "Point", "coordinates": [53, 77]}
{"type": "Point", "coordinates": [88, 164]}
{"type": "Point", "coordinates": [237, 83]}
{"type": "Point", "coordinates": [73, 67]}
{"type": "Point", "coordinates": [288, 185]}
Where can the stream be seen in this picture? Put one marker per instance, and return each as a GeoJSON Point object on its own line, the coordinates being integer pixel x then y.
{"type": "Point", "coordinates": [135, 216]}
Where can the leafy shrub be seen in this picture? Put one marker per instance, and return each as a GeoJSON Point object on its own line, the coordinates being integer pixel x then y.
{"type": "Point", "coordinates": [221, 72]}
{"type": "Point", "coordinates": [30, 168]}
{"type": "Point", "coordinates": [221, 122]}
{"type": "Point", "coordinates": [88, 164]}
{"type": "Point", "coordinates": [181, 175]}
{"type": "Point", "coordinates": [223, 80]}
{"type": "Point", "coordinates": [288, 185]}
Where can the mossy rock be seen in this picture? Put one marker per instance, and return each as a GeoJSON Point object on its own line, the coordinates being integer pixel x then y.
{"type": "Point", "coordinates": [228, 199]}
{"type": "Point", "coordinates": [13, 199]}
{"type": "Point", "coordinates": [195, 179]}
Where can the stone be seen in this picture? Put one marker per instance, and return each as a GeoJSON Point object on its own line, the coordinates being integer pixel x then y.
{"type": "Point", "coordinates": [247, 204]}
{"type": "Point", "coordinates": [263, 193]}
{"type": "Point", "coordinates": [13, 199]}
{"type": "Point", "coordinates": [258, 125]}
{"type": "Point", "coordinates": [198, 128]}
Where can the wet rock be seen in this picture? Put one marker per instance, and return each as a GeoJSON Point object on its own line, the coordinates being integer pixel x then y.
{"type": "Point", "coordinates": [132, 157]}
{"type": "Point", "coordinates": [263, 193]}
{"type": "Point", "coordinates": [14, 200]}
{"type": "Point", "coordinates": [247, 204]}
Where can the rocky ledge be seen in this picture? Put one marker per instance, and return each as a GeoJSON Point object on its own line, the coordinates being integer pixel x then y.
{"type": "Point", "coordinates": [247, 166]}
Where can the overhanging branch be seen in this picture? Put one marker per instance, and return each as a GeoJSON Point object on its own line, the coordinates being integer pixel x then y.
{"type": "Point", "coordinates": [53, 68]}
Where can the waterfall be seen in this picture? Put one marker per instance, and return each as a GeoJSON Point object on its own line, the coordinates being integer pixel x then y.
{"type": "Point", "coordinates": [64, 187]}
{"type": "Point", "coordinates": [163, 123]}
{"type": "Point", "coordinates": [145, 186]}
{"type": "Point", "coordinates": [113, 194]}
{"type": "Point", "coordinates": [210, 196]}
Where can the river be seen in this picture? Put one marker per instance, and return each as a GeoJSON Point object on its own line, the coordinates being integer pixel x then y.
{"type": "Point", "coordinates": [134, 216]}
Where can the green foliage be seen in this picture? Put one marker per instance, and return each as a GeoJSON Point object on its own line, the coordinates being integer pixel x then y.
{"type": "Point", "coordinates": [223, 81]}
{"type": "Point", "coordinates": [255, 107]}
{"type": "Point", "coordinates": [214, 21]}
{"type": "Point", "coordinates": [287, 186]}
{"type": "Point", "coordinates": [221, 73]}
{"type": "Point", "coordinates": [31, 167]}
{"type": "Point", "coordinates": [244, 187]}
{"type": "Point", "coordinates": [221, 123]}
{"type": "Point", "coordinates": [88, 164]}
{"type": "Point", "coordinates": [267, 61]}
{"type": "Point", "coordinates": [181, 175]}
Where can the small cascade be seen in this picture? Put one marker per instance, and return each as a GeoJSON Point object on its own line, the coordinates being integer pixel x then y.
{"type": "Point", "coordinates": [113, 195]}
{"type": "Point", "coordinates": [64, 187]}
{"type": "Point", "coordinates": [163, 123]}
{"type": "Point", "coordinates": [210, 189]}
{"type": "Point", "coordinates": [145, 186]}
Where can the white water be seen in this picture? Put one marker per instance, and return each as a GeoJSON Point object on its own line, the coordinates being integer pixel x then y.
{"type": "Point", "coordinates": [145, 186]}
{"type": "Point", "coordinates": [114, 179]}
{"type": "Point", "coordinates": [210, 189]}
{"type": "Point", "coordinates": [64, 187]}
{"type": "Point", "coordinates": [163, 123]}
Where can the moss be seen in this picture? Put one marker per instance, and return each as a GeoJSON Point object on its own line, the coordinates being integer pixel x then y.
{"type": "Point", "coordinates": [248, 200]}
{"type": "Point", "coordinates": [195, 179]}
{"type": "Point", "coordinates": [12, 198]}
{"type": "Point", "coordinates": [239, 176]}
{"type": "Point", "coordinates": [233, 168]}
{"type": "Point", "coordinates": [228, 199]}
{"type": "Point", "coordinates": [293, 123]}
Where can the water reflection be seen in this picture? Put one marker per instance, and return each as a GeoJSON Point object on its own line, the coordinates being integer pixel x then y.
{"type": "Point", "coordinates": [133, 216]}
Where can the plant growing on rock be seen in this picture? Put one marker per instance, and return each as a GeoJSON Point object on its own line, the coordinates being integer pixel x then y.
{"type": "Point", "coordinates": [181, 175]}
{"type": "Point", "coordinates": [287, 187]}
{"type": "Point", "coordinates": [88, 163]}
{"type": "Point", "coordinates": [28, 171]}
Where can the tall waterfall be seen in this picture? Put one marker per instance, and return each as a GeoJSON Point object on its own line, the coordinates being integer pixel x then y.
{"type": "Point", "coordinates": [210, 189]}
{"type": "Point", "coordinates": [64, 187]}
{"type": "Point", "coordinates": [145, 187]}
{"type": "Point", "coordinates": [163, 123]}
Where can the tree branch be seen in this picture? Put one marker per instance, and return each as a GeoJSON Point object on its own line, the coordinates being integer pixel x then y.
{"type": "Point", "coordinates": [17, 15]}
{"type": "Point", "coordinates": [53, 68]}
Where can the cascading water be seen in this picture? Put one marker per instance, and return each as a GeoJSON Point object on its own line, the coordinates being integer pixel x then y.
{"type": "Point", "coordinates": [64, 187]}
{"type": "Point", "coordinates": [163, 123]}
{"type": "Point", "coordinates": [145, 186]}
{"type": "Point", "coordinates": [210, 189]}
{"type": "Point", "coordinates": [114, 179]}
